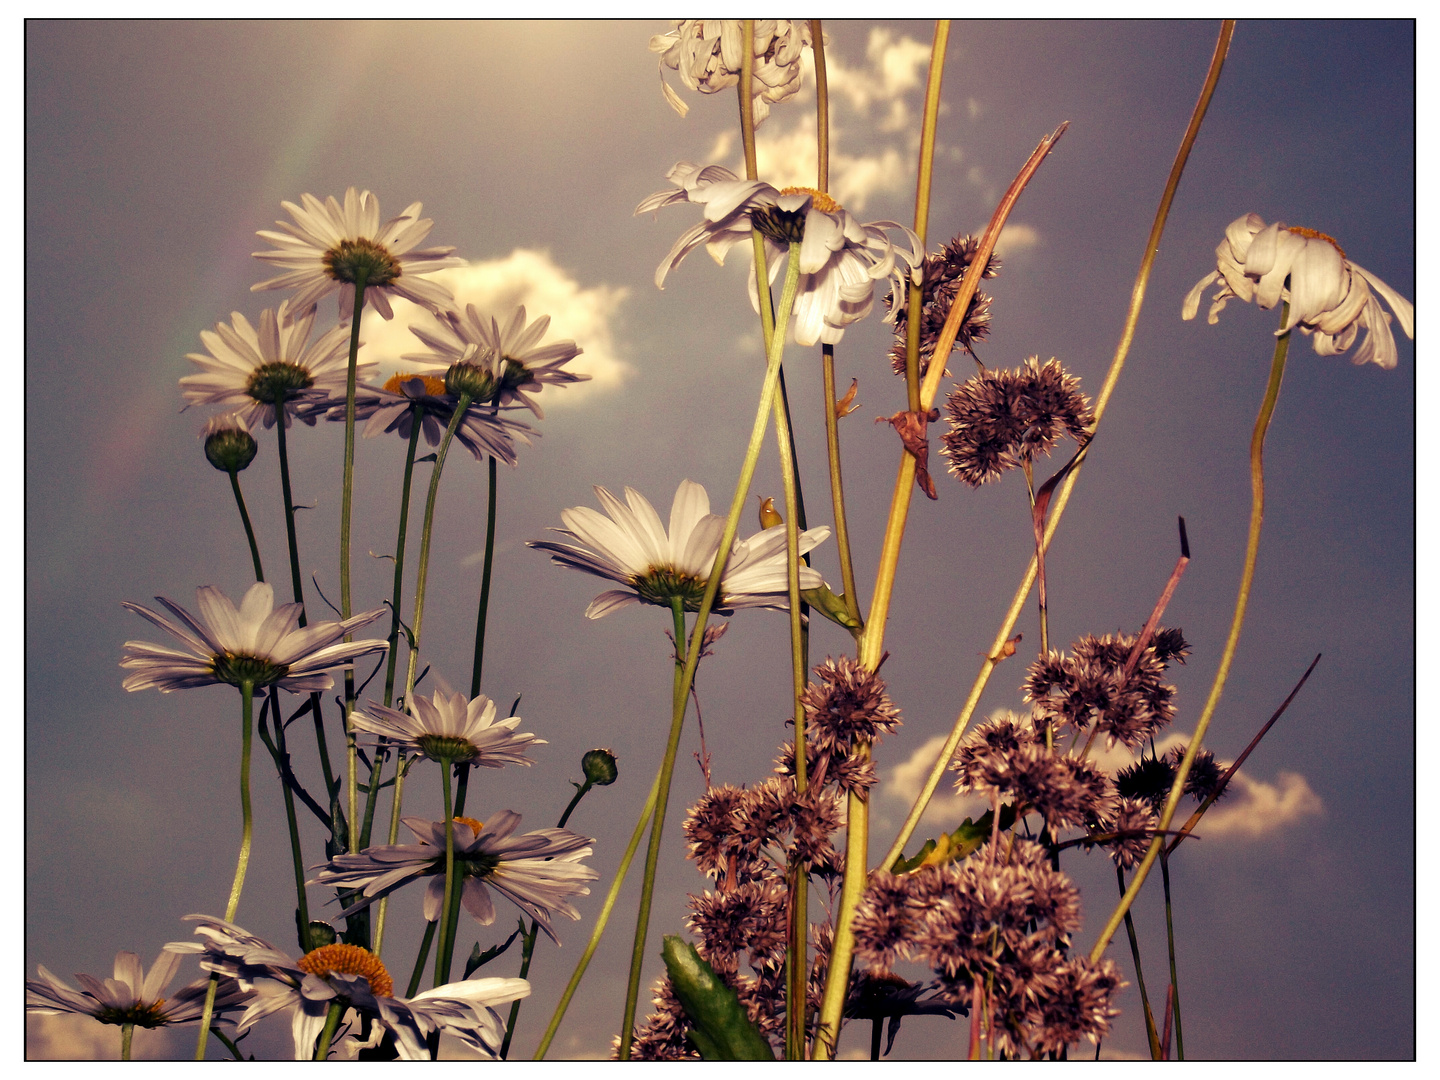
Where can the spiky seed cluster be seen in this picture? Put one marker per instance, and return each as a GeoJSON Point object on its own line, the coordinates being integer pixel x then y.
{"type": "Point", "coordinates": [942, 272]}
{"type": "Point", "coordinates": [1133, 822]}
{"type": "Point", "coordinates": [846, 705]}
{"type": "Point", "coordinates": [1009, 758]}
{"type": "Point", "coordinates": [1001, 418]}
{"type": "Point", "coordinates": [662, 1036]}
{"type": "Point", "coordinates": [1089, 686]}
{"type": "Point", "coordinates": [1081, 1005]}
{"type": "Point", "coordinates": [1148, 780]}
{"type": "Point", "coordinates": [1204, 775]}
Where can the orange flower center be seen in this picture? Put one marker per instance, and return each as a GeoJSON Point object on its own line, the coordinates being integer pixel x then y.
{"type": "Point", "coordinates": [433, 386]}
{"type": "Point", "coordinates": [1313, 234]}
{"type": "Point", "coordinates": [821, 201]}
{"type": "Point", "coordinates": [349, 960]}
{"type": "Point", "coordinates": [475, 826]}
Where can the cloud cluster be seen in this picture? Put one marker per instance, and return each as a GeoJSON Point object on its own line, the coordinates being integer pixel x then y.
{"type": "Point", "coordinates": [70, 1037]}
{"type": "Point", "coordinates": [496, 286]}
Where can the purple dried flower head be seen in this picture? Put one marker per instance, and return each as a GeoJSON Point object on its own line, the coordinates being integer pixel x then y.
{"type": "Point", "coordinates": [1133, 823]}
{"type": "Point", "coordinates": [662, 1036]}
{"type": "Point", "coordinates": [814, 816]}
{"type": "Point", "coordinates": [748, 919]}
{"type": "Point", "coordinates": [762, 819]}
{"type": "Point", "coordinates": [888, 919]}
{"type": "Point", "coordinates": [1149, 779]}
{"type": "Point", "coordinates": [847, 705]}
{"type": "Point", "coordinates": [845, 774]}
{"type": "Point", "coordinates": [1204, 775]}
{"type": "Point", "coordinates": [1001, 418]}
{"type": "Point", "coordinates": [710, 827]}
{"type": "Point", "coordinates": [942, 272]}
{"type": "Point", "coordinates": [1079, 1006]}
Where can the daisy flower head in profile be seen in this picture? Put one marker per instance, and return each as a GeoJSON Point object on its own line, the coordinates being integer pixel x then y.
{"type": "Point", "coordinates": [451, 727]}
{"type": "Point", "coordinates": [841, 259]}
{"type": "Point", "coordinates": [633, 547]}
{"type": "Point", "coordinates": [256, 643]}
{"type": "Point", "coordinates": [357, 980]}
{"type": "Point", "coordinates": [332, 247]}
{"type": "Point", "coordinates": [707, 54]}
{"type": "Point", "coordinates": [133, 998]}
{"type": "Point", "coordinates": [514, 365]}
{"type": "Point", "coordinates": [1330, 297]}
{"type": "Point", "coordinates": [538, 871]}
{"type": "Point", "coordinates": [256, 371]}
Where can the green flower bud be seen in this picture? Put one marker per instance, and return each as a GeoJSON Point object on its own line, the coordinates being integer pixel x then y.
{"type": "Point", "coordinates": [599, 766]}
{"type": "Point", "coordinates": [230, 449]}
{"type": "Point", "coordinates": [474, 379]}
{"type": "Point", "coordinates": [321, 934]}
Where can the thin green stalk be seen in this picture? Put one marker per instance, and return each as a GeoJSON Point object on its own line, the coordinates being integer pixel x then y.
{"type": "Point", "coordinates": [296, 858]}
{"type": "Point", "coordinates": [837, 486]}
{"type": "Point", "coordinates": [1150, 1034]}
{"type": "Point", "coordinates": [284, 454]}
{"type": "Point", "coordinates": [1242, 601]}
{"type": "Point", "coordinates": [422, 574]}
{"type": "Point", "coordinates": [822, 108]}
{"type": "Point", "coordinates": [480, 615]}
{"type": "Point", "coordinates": [652, 853]}
{"type": "Point", "coordinates": [421, 957]}
{"type": "Point", "coordinates": [347, 498]}
{"type": "Point", "coordinates": [245, 519]}
{"type": "Point", "coordinates": [1170, 938]}
{"type": "Point", "coordinates": [1042, 599]}
{"type": "Point", "coordinates": [1112, 377]}
{"type": "Point", "coordinates": [127, 1032]}
{"type": "Point", "coordinates": [417, 421]}
{"type": "Point", "coordinates": [924, 175]}
{"type": "Point", "coordinates": [327, 1033]}
{"type": "Point", "coordinates": [447, 943]}
{"type": "Point", "coordinates": [247, 716]}
{"type": "Point", "coordinates": [442, 962]}
{"type": "Point", "coordinates": [527, 948]}
{"type": "Point", "coordinates": [402, 770]}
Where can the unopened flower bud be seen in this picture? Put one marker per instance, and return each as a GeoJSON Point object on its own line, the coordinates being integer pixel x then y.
{"type": "Point", "coordinates": [599, 766]}
{"type": "Point", "coordinates": [477, 380]}
{"type": "Point", "coordinates": [321, 933]}
{"type": "Point", "coordinates": [228, 445]}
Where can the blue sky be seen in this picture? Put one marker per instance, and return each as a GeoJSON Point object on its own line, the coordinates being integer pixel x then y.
{"type": "Point", "coordinates": [154, 152]}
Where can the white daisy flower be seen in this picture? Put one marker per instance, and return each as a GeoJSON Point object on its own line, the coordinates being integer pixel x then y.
{"type": "Point", "coordinates": [516, 364]}
{"type": "Point", "coordinates": [537, 870]}
{"type": "Point", "coordinates": [451, 727]}
{"type": "Point", "coordinates": [252, 370]}
{"type": "Point", "coordinates": [840, 258]}
{"type": "Point", "coordinates": [631, 546]}
{"type": "Point", "coordinates": [707, 54]}
{"type": "Point", "coordinates": [306, 988]}
{"type": "Point", "coordinates": [132, 996]}
{"type": "Point", "coordinates": [329, 245]}
{"type": "Point", "coordinates": [392, 407]}
{"type": "Point", "coordinates": [1329, 296]}
{"type": "Point", "coordinates": [256, 643]}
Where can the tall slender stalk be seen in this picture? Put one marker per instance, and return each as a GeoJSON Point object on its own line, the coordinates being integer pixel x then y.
{"type": "Point", "coordinates": [442, 961]}
{"type": "Point", "coordinates": [1151, 1036]}
{"type": "Point", "coordinates": [402, 769]}
{"type": "Point", "coordinates": [1117, 364]}
{"type": "Point", "coordinates": [479, 664]}
{"type": "Point", "coordinates": [296, 856]}
{"type": "Point", "coordinates": [417, 421]}
{"type": "Point", "coordinates": [1170, 941]}
{"type": "Point", "coordinates": [347, 499]}
{"type": "Point", "coordinates": [245, 519]}
{"type": "Point", "coordinates": [1227, 656]}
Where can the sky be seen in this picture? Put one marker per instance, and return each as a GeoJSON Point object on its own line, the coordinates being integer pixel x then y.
{"type": "Point", "coordinates": [155, 150]}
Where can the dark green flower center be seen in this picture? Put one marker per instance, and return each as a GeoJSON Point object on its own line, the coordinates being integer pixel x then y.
{"type": "Point", "coordinates": [447, 748]}
{"type": "Point", "coordinates": [346, 260]}
{"type": "Point", "coordinates": [515, 375]}
{"type": "Point", "coordinates": [477, 864]}
{"type": "Point", "coordinates": [230, 449]}
{"type": "Point", "coordinates": [141, 1014]}
{"type": "Point", "coordinates": [237, 668]}
{"type": "Point", "coordinates": [783, 226]}
{"type": "Point", "coordinates": [660, 584]}
{"type": "Point", "coordinates": [276, 382]}
{"type": "Point", "coordinates": [473, 379]}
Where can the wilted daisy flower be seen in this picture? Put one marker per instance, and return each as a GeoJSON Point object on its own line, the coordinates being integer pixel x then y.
{"type": "Point", "coordinates": [132, 996]}
{"type": "Point", "coordinates": [329, 246]}
{"type": "Point", "coordinates": [307, 987]}
{"type": "Point", "coordinates": [252, 370]}
{"type": "Point", "coordinates": [257, 643]}
{"type": "Point", "coordinates": [840, 258]}
{"type": "Point", "coordinates": [708, 53]}
{"type": "Point", "coordinates": [1000, 419]}
{"type": "Point", "coordinates": [451, 727]}
{"type": "Point", "coordinates": [1329, 296]}
{"type": "Point", "coordinates": [631, 546]}
{"type": "Point", "coordinates": [516, 364]}
{"type": "Point", "coordinates": [537, 870]}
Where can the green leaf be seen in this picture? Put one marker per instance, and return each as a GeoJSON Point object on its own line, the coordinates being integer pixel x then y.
{"type": "Point", "coordinates": [832, 607]}
{"type": "Point", "coordinates": [957, 845]}
{"type": "Point", "coordinates": [722, 1029]}
{"type": "Point", "coordinates": [479, 959]}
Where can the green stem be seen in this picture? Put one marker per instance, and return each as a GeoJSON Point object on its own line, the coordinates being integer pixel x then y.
{"type": "Point", "coordinates": [1151, 1036]}
{"type": "Point", "coordinates": [1242, 601]}
{"type": "Point", "coordinates": [480, 615]}
{"type": "Point", "coordinates": [127, 1032]}
{"type": "Point", "coordinates": [1062, 498]}
{"type": "Point", "coordinates": [284, 454]}
{"type": "Point", "coordinates": [421, 957]}
{"type": "Point", "coordinates": [402, 769]}
{"type": "Point", "coordinates": [417, 421]}
{"type": "Point", "coordinates": [296, 858]}
{"type": "Point", "coordinates": [347, 498]}
{"type": "Point", "coordinates": [1042, 598]}
{"type": "Point", "coordinates": [447, 943]}
{"type": "Point", "coordinates": [527, 949]}
{"type": "Point", "coordinates": [1174, 977]}
{"type": "Point", "coordinates": [924, 175]}
{"type": "Point", "coordinates": [327, 1033]}
{"type": "Point", "coordinates": [422, 574]}
{"type": "Point", "coordinates": [652, 853]}
{"type": "Point", "coordinates": [822, 108]}
{"type": "Point", "coordinates": [245, 519]}
{"type": "Point", "coordinates": [247, 715]}
{"type": "Point", "coordinates": [442, 962]}
{"type": "Point", "coordinates": [837, 488]}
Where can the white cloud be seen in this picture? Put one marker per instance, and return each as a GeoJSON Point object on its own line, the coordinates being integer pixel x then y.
{"type": "Point", "coordinates": [1260, 808]}
{"type": "Point", "coordinates": [72, 1037]}
{"type": "Point", "coordinates": [900, 784]}
{"type": "Point", "coordinates": [496, 286]}
{"type": "Point", "coordinates": [1016, 237]}
{"type": "Point", "coordinates": [788, 159]}
{"type": "Point", "coordinates": [894, 68]}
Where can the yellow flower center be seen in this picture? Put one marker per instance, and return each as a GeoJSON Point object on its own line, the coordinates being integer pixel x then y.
{"type": "Point", "coordinates": [476, 826]}
{"type": "Point", "coordinates": [821, 201]}
{"type": "Point", "coordinates": [433, 386]}
{"type": "Point", "coordinates": [349, 960]}
{"type": "Point", "coordinates": [1313, 234]}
